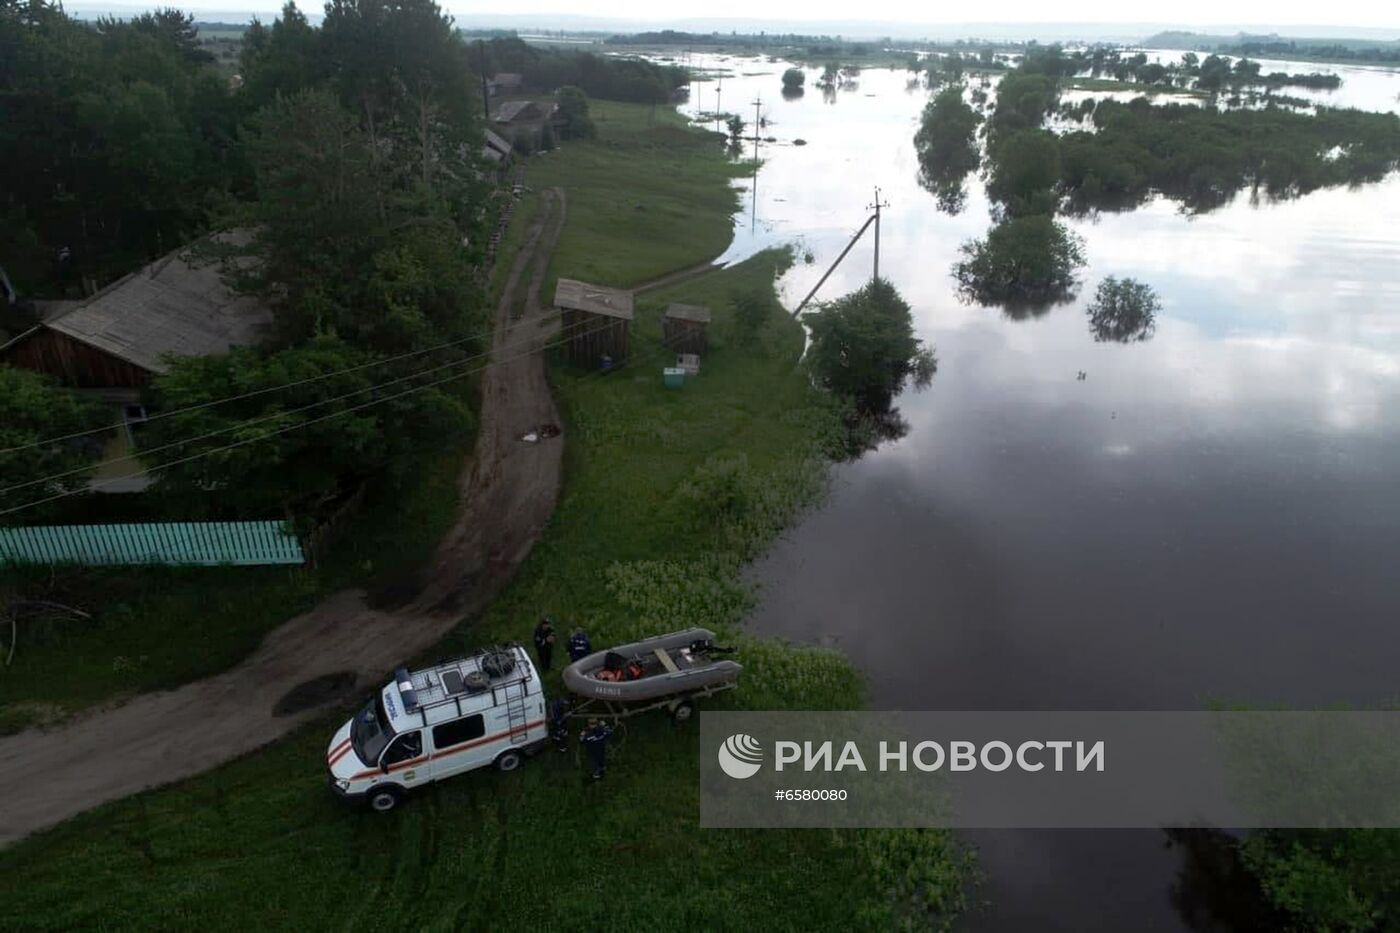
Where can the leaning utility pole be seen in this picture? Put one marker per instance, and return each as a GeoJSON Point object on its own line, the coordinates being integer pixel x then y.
{"type": "Point", "coordinates": [822, 281]}
{"type": "Point", "coordinates": [877, 206]}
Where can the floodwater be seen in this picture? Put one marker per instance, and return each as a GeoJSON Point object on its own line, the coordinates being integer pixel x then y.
{"type": "Point", "coordinates": [1210, 515]}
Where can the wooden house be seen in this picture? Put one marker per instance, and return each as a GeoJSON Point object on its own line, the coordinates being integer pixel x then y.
{"type": "Point", "coordinates": [683, 328]}
{"type": "Point", "coordinates": [596, 322]}
{"type": "Point", "coordinates": [523, 121]}
{"type": "Point", "coordinates": [111, 345]}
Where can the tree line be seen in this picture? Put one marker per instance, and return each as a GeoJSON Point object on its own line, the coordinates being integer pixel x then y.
{"type": "Point", "coordinates": [347, 159]}
{"type": "Point", "coordinates": [1213, 74]}
{"type": "Point", "coordinates": [1201, 156]}
{"type": "Point", "coordinates": [632, 80]}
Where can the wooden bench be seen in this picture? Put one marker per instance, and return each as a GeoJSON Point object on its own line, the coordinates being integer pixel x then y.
{"type": "Point", "coordinates": [666, 661]}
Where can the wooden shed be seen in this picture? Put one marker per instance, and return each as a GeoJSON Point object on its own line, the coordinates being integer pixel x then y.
{"type": "Point", "coordinates": [683, 328]}
{"type": "Point", "coordinates": [596, 321]}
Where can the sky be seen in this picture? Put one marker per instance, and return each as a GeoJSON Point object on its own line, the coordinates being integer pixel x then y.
{"type": "Point", "coordinates": [1343, 16]}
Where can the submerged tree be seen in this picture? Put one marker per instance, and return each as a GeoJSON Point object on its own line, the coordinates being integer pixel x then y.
{"type": "Point", "coordinates": [947, 146]}
{"type": "Point", "coordinates": [1025, 265]}
{"type": "Point", "coordinates": [793, 80]}
{"type": "Point", "coordinates": [736, 128]}
{"type": "Point", "coordinates": [1123, 311]}
{"type": "Point", "coordinates": [863, 347]}
{"type": "Point", "coordinates": [1025, 167]}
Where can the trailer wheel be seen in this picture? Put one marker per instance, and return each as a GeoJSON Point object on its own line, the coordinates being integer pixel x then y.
{"type": "Point", "coordinates": [508, 760]}
{"type": "Point", "coordinates": [682, 711]}
{"type": "Point", "coordinates": [384, 799]}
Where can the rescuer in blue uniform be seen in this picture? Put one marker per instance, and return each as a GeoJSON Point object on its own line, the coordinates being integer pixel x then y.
{"type": "Point", "coordinates": [544, 641]}
{"type": "Point", "coordinates": [579, 645]}
{"type": "Point", "coordinates": [559, 723]}
{"type": "Point", "coordinates": [595, 742]}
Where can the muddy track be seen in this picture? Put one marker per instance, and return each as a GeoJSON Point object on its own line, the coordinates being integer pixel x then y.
{"type": "Point", "coordinates": [509, 490]}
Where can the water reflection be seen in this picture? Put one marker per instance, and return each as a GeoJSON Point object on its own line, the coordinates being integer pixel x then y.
{"type": "Point", "coordinates": [1209, 515]}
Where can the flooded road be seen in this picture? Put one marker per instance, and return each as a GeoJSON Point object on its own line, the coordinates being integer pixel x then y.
{"type": "Point", "coordinates": [1211, 515]}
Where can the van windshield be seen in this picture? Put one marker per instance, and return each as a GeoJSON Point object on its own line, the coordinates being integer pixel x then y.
{"type": "Point", "coordinates": [370, 731]}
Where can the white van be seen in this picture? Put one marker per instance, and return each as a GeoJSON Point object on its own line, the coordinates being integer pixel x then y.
{"type": "Point", "coordinates": [487, 709]}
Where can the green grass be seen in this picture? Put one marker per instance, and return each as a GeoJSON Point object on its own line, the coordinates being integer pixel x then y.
{"type": "Point", "coordinates": [648, 196]}
{"type": "Point", "coordinates": [158, 627]}
{"type": "Point", "coordinates": [666, 492]}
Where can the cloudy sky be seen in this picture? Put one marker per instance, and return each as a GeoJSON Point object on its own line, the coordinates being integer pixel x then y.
{"type": "Point", "coordinates": [1342, 13]}
{"type": "Point", "coordinates": [1353, 16]}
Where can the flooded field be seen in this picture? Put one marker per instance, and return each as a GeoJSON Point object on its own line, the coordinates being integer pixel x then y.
{"type": "Point", "coordinates": [1209, 515]}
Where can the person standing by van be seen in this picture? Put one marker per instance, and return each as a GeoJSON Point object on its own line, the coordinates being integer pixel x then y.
{"type": "Point", "coordinates": [544, 641]}
{"type": "Point", "coordinates": [559, 723]}
{"type": "Point", "coordinates": [595, 743]}
{"type": "Point", "coordinates": [579, 645]}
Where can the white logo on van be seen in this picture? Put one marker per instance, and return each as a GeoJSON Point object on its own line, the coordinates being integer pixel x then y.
{"type": "Point", "coordinates": [740, 756]}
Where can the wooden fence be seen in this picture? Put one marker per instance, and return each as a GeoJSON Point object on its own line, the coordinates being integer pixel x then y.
{"type": "Point", "coordinates": [185, 543]}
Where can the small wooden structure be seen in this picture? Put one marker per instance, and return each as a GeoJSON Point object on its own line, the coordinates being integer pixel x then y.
{"type": "Point", "coordinates": [683, 328]}
{"type": "Point", "coordinates": [596, 321]}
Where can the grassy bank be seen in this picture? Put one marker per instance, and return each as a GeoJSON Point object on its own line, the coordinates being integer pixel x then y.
{"type": "Point", "coordinates": [648, 196]}
{"type": "Point", "coordinates": [666, 493]}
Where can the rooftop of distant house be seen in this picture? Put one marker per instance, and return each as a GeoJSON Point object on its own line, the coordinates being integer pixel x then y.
{"type": "Point", "coordinates": [178, 305]}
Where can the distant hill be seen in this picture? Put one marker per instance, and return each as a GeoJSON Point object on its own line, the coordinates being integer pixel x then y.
{"type": "Point", "coordinates": [1207, 42]}
{"type": "Point", "coordinates": [1272, 45]}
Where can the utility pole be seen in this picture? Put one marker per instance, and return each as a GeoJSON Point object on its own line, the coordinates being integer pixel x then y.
{"type": "Point", "coordinates": [877, 206]}
{"type": "Point", "coordinates": [757, 104]}
{"type": "Point", "coordinates": [485, 96]}
{"type": "Point", "coordinates": [719, 86]}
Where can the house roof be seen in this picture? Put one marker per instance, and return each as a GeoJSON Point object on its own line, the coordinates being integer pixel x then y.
{"type": "Point", "coordinates": [177, 305]}
{"type": "Point", "coordinates": [513, 110]}
{"type": "Point", "coordinates": [595, 299]}
{"type": "Point", "coordinates": [497, 143]}
{"type": "Point", "coordinates": [508, 79]}
{"type": "Point", "coordinates": [696, 313]}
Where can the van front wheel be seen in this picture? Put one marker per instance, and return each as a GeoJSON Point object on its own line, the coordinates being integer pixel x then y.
{"type": "Point", "coordinates": [508, 761]}
{"type": "Point", "coordinates": [384, 799]}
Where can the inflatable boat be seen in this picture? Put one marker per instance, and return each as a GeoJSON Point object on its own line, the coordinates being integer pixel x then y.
{"type": "Point", "coordinates": [653, 668]}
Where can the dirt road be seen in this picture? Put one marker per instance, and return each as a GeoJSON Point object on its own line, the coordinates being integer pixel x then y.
{"type": "Point", "coordinates": [509, 491]}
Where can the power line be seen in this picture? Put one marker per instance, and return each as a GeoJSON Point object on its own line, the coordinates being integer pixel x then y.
{"type": "Point", "coordinates": [253, 394]}
{"type": "Point", "coordinates": [665, 345]}
{"type": "Point", "coordinates": [255, 421]}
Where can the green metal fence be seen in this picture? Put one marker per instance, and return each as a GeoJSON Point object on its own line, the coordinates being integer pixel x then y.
{"type": "Point", "coordinates": [185, 543]}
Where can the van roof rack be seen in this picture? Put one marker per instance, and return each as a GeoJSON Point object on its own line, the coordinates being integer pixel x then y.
{"type": "Point", "coordinates": [448, 682]}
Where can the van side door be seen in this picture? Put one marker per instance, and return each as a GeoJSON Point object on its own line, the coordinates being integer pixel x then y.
{"type": "Point", "coordinates": [458, 745]}
{"type": "Point", "coordinates": [404, 760]}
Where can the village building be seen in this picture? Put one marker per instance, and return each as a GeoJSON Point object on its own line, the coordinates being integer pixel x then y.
{"type": "Point", "coordinates": [523, 122]}
{"type": "Point", "coordinates": [504, 83]}
{"type": "Point", "coordinates": [111, 345]}
{"type": "Point", "coordinates": [596, 321]}
{"type": "Point", "coordinates": [683, 328]}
